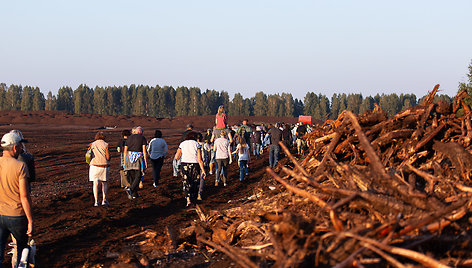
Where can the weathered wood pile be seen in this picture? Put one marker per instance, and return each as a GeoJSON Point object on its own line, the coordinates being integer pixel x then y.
{"type": "Point", "coordinates": [372, 191]}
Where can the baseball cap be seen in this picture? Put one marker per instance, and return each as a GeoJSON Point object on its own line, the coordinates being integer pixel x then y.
{"type": "Point", "coordinates": [11, 139]}
{"type": "Point", "coordinates": [189, 126]}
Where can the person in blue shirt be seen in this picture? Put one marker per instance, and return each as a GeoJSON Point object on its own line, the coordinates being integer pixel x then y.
{"type": "Point", "coordinates": [157, 150]}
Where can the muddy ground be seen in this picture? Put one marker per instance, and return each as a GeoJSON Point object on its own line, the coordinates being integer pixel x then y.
{"type": "Point", "coordinates": [70, 232]}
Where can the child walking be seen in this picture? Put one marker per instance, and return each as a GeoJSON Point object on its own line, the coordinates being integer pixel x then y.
{"type": "Point", "coordinates": [243, 155]}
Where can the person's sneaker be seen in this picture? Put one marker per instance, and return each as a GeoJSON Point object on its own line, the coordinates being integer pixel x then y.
{"type": "Point", "coordinates": [141, 185]}
{"type": "Point", "coordinates": [224, 184]}
{"type": "Point", "coordinates": [211, 172]}
{"type": "Point", "coordinates": [216, 183]}
{"type": "Point", "coordinates": [154, 184]}
{"type": "Point", "coordinates": [105, 203]}
{"type": "Point", "coordinates": [129, 193]}
{"type": "Point", "coordinates": [96, 204]}
{"type": "Point", "coordinates": [199, 197]}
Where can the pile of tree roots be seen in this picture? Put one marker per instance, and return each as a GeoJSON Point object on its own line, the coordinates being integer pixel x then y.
{"type": "Point", "coordinates": [371, 191]}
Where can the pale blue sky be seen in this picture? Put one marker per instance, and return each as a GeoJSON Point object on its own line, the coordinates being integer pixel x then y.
{"type": "Point", "coordinates": [326, 47]}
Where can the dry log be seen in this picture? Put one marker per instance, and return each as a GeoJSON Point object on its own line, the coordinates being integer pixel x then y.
{"type": "Point", "coordinates": [200, 213]}
{"type": "Point", "coordinates": [430, 97]}
{"type": "Point", "coordinates": [239, 258]}
{"type": "Point", "coordinates": [410, 254]}
{"type": "Point", "coordinates": [463, 188]}
{"type": "Point", "coordinates": [432, 217]}
{"type": "Point", "coordinates": [384, 255]}
{"type": "Point", "coordinates": [445, 222]}
{"type": "Point", "coordinates": [331, 147]}
{"type": "Point", "coordinates": [391, 136]}
{"type": "Point", "coordinates": [280, 256]}
{"type": "Point", "coordinates": [468, 125]}
{"type": "Point", "coordinates": [465, 263]}
{"type": "Point", "coordinates": [321, 203]}
{"type": "Point", "coordinates": [375, 162]}
{"type": "Point", "coordinates": [379, 169]}
{"type": "Point", "coordinates": [460, 158]}
{"type": "Point", "coordinates": [325, 138]}
{"type": "Point", "coordinates": [426, 115]}
{"type": "Point", "coordinates": [292, 158]}
{"type": "Point", "coordinates": [349, 261]}
{"type": "Point", "coordinates": [428, 138]}
{"type": "Point", "coordinates": [458, 101]}
{"type": "Point", "coordinates": [357, 179]}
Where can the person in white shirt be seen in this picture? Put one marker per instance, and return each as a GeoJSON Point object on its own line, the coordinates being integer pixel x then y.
{"type": "Point", "coordinates": [190, 154]}
{"type": "Point", "coordinates": [157, 150]}
{"type": "Point", "coordinates": [206, 151]}
{"type": "Point", "coordinates": [222, 147]}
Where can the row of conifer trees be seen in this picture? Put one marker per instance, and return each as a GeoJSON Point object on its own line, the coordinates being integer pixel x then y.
{"type": "Point", "coordinates": [167, 101]}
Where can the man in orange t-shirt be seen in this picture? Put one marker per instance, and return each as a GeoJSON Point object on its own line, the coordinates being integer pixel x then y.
{"type": "Point", "coordinates": [15, 201]}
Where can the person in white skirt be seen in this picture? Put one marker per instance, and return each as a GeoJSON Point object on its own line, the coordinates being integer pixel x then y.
{"type": "Point", "coordinates": [100, 167]}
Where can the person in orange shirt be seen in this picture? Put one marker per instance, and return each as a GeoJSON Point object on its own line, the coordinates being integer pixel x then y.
{"type": "Point", "coordinates": [16, 215]}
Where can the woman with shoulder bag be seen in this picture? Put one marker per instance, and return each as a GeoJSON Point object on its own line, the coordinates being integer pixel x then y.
{"type": "Point", "coordinates": [99, 167]}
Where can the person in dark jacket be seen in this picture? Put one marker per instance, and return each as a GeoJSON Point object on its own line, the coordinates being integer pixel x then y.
{"type": "Point", "coordinates": [256, 141]}
{"type": "Point", "coordinates": [120, 147]}
{"type": "Point", "coordinates": [301, 131]}
{"type": "Point", "coordinates": [274, 148]}
{"type": "Point", "coordinates": [286, 136]}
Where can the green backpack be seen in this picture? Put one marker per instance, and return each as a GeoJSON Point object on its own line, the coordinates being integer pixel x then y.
{"type": "Point", "coordinates": [89, 155]}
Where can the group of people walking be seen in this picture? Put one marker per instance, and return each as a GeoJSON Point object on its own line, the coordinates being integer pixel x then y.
{"type": "Point", "coordinates": [134, 151]}
{"type": "Point", "coordinates": [198, 156]}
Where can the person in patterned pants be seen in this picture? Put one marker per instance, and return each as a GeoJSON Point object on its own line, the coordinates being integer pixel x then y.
{"type": "Point", "coordinates": [190, 154]}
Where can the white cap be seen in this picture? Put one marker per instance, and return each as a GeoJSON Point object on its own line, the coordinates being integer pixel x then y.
{"type": "Point", "coordinates": [11, 139]}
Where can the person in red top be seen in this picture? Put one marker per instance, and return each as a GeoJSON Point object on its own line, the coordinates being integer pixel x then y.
{"type": "Point", "coordinates": [221, 122]}
{"type": "Point", "coordinates": [221, 118]}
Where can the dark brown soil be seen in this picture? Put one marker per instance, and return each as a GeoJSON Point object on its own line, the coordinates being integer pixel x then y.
{"type": "Point", "coordinates": [69, 231]}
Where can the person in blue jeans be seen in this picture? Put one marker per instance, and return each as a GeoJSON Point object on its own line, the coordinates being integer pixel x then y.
{"type": "Point", "coordinates": [16, 215]}
{"type": "Point", "coordinates": [275, 137]}
{"type": "Point", "coordinates": [243, 158]}
{"type": "Point", "coordinates": [256, 139]}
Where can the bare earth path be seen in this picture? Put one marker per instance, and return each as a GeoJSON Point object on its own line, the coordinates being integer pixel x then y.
{"type": "Point", "coordinates": [69, 230]}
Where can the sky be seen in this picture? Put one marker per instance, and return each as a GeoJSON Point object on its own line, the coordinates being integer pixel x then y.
{"type": "Point", "coordinates": [274, 46]}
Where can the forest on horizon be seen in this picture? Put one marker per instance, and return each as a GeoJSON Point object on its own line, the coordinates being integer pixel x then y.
{"type": "Point", "coordinates": [169, 102]}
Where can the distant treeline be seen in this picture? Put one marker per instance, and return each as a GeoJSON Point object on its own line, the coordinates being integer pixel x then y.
{"type": "Point", "coordinates": [169, 102]}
